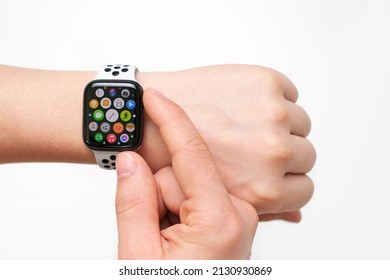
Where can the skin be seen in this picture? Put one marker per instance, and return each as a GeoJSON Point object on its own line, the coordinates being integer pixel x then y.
{"type": "Point", "coordinates": [205, 207]}
{"type": "Point", "coordinates": [246, 114]}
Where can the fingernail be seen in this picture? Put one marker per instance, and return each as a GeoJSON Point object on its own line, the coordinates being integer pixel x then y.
{"type": "Point", "coordinates": [126, 164]}
{"type": "Point", "coordinates": [156, 92]}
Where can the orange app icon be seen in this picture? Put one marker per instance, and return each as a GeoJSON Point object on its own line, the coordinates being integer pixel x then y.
{"type": "Point", "coordinates": [93, 103]}
{"type": "Point", "coordinates": [106, 103]}
{"type": "Point", "coordinates": [118, 127]}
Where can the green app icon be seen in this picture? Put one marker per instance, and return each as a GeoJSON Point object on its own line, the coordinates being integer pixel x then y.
{"type": "Point", "coordinates": [125, 115]}
{"type": "Point", "coordinates": [98, 137]}
{"type": "Point", "coordinates": [98, 115]}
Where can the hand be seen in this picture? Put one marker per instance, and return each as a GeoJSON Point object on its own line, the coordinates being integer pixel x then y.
{"type": "Point", "coordinates": [213, 224]}
{"type": "Point", "coordinates": [248, 117]}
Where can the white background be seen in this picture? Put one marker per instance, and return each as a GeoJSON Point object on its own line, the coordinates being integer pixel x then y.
{"type": "Point", "coordinates": [336, 52]}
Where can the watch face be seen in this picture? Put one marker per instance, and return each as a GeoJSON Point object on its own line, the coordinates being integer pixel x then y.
{"type": "Point", "coordinates": [113, 115]}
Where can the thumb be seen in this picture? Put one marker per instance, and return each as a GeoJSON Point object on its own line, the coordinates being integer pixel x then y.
{"type": "Point", "coordinates": [136, 209]}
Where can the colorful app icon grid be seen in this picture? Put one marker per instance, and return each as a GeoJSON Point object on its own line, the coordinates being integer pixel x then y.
{"type": "Point", "coordinates": [112, 116]}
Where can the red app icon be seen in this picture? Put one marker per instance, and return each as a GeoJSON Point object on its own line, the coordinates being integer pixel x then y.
{"type": "Point", "coordinates": [118, 127]}
{"type": "Point", "coordinates": [111, 138]}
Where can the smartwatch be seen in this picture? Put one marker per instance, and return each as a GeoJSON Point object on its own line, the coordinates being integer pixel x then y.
{"type": "Point", "coordinates": [113, 113]}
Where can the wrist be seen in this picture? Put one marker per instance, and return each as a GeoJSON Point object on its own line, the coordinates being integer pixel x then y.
{"type": "Point", "coordinates": [153, 148]}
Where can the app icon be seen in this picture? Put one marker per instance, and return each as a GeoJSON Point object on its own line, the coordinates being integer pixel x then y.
{"type": "Point", "coordinates": [130, 104]}
{"type": "Point", "coordinates": [93, 126]}
{"type": "Point", "coordinates": [125, 93]}
{"type": "Point", "coordinates": [124, 138]}
{"type": "Point", "coordinates": [98, 137]}
{"type": "Point", "coordinates": [93, 104]}
{"type": "Point", "coordinates": [130, 127]}
{"type": "Point", "coordinates": [112, 115]}
{"type": "Point", "coordinates": [98, 115]}
{"type": "Point", "coordinates": [105, 127]}
{"type": "Point", "coordinates": [125, 116]}
{"type": "Point", "coordinates": [112, 92]}
{"type": "Point", "coordinates": [99, 92]}
{"type": "Point", "coordinates": [118, 127]}
{"type": "Point", "coordinates": [111, 138]}
{"type": "Point", "coordinates": [105, 103]}
{"type": "Point", "coordinates": [119, 103]}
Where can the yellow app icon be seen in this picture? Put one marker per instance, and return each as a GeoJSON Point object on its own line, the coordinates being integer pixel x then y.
{"type": "Point", "coordinates": [93, 103]}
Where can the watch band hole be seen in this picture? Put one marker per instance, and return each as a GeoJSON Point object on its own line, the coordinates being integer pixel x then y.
{"type": "Point", "coordinates": [107, 69]}
{"type": "Point", "coordinates": [115, 73]}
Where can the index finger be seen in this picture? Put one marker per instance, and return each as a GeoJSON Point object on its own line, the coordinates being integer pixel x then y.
{"type": "Point", "coordinates": [192, 161]}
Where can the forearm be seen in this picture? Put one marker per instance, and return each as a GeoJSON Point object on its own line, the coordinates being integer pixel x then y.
{"type": "Point", "coordinates": [40, 116]}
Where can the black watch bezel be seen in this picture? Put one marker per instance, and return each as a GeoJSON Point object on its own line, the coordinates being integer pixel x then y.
{"type": "Point", "coordinates": [138, 124]}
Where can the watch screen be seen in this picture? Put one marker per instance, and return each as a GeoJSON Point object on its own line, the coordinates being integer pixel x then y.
{"type": "Point", "coordinates": [113, 115]}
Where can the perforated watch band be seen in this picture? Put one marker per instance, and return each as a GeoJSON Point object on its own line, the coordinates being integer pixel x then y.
{"type": "Point", "coordinates": [106, 159]}
{"type": "Point", "coordinates": [117, 72]}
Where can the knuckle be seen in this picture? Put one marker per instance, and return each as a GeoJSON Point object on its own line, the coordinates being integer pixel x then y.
{"type": "Point", "coordinates": [268, 77]}
{"type": "Point", "coordinates": [276, 113]}
{"type": "Point", "coordinates": [195, 144]}
{"type": "Point", "coordinates": [278, 150]}
{"type": "Point", "coordinates": [272, 195]}
{"type": "Point", "coordinates": [193, 148]}
{"type": "Point", "coordinates": [129, 204]}
{"type": "Point", "coordinates": [274, 83]}
{"type": "Point", "coordinates": [232, 231]}
{"type": "Point", "coordinates": [268, 198]}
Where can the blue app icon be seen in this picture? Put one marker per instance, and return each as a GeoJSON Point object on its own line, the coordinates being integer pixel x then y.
{"type": "Point", "coordinates": [130, 104]}
{"type": "Point", "coordinates": [124, 138]}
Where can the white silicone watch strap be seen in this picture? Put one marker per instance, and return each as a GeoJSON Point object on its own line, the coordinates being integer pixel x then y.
{"type": "Point", "coordinates": [106, 159]}
{"type": "Point", "coordinates": [117, 72]}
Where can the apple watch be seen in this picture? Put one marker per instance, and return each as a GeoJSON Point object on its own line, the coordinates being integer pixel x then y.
{"type": "Point", "coordinates": [113, 113]}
